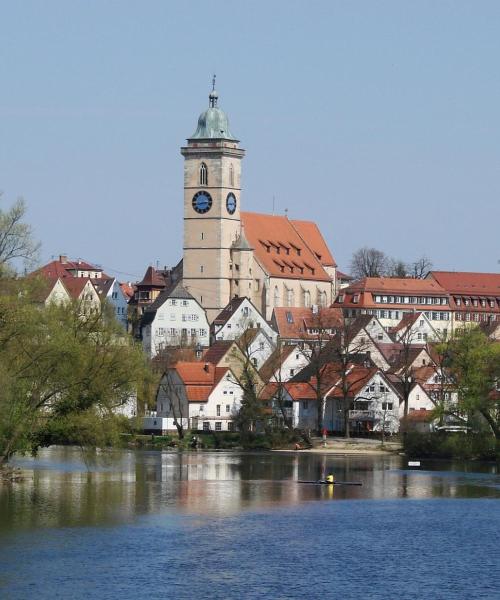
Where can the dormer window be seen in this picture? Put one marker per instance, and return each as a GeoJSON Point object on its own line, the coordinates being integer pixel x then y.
{"type": "Point", "coordinates": [203, 174]}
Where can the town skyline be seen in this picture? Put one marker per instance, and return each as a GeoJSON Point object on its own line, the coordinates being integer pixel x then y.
{"type": "Point", "coordinates": [386, 137]}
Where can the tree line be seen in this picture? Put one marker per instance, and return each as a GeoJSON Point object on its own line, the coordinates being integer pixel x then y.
{"type": "Point", "coordinates": [370, 262]}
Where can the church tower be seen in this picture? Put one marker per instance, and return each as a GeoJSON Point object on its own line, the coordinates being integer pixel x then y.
{"type": "Point", "coordinates": [212, 187]}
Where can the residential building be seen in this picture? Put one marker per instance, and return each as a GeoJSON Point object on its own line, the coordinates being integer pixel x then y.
{"type": "Point", "coordinates": [389, 299]}
{"type": "Point", "coordinates": [304, 325]}
{"type": "Point", "coordinates": [175, 319]}
{"type": "Point", "coordinates": [237, 316]}
{"type": "Point", "coordinates": [198, 395]}
{"type": "Point", "coordinates": [284, 363]}
{"type": "Point", "coordinates": [474, 297]}
{"type": "Point", "coordinates": [110, 291]}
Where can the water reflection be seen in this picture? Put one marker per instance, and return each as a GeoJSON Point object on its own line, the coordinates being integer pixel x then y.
{"type": "Point", "coordinates": [63, 488]}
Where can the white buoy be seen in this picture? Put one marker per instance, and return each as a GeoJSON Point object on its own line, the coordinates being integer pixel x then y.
{"type": "Point", "coordinates": [414, 463]}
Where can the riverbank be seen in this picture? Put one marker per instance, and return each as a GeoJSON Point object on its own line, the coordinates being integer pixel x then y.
{"type": "Point", "coordinates": [348, 447]}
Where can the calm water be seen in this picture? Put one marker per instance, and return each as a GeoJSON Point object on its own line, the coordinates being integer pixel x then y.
{"type": "Point", "coordinates": [228, 525]}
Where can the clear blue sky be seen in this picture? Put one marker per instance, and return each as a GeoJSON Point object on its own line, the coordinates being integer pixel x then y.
{"type": "Point", "coordinates": [378, 120]}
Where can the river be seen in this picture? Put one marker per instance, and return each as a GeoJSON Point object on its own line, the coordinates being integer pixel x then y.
{"type": "Point", "coordinates": [131, 524]}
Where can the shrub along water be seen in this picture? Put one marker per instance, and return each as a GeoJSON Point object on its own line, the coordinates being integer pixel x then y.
{"type": "Point", "coordinates": [451, 445]}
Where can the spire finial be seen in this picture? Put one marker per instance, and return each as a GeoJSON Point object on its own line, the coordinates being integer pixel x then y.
{"type": "Point", "coordinates": [212, 98]}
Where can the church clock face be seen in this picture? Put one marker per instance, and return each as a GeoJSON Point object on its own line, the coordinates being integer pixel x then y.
{"type": "Point", "coordinates": [231, 203]}
{"type": "Point", "coordinates": [202, 202]}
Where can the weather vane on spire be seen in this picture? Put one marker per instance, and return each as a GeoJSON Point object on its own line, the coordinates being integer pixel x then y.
{"type": "Point", "coordinates": [213, 94]}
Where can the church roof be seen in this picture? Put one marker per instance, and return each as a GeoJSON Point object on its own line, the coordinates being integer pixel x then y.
{"type": "Point", "coordinates": [287, 249]}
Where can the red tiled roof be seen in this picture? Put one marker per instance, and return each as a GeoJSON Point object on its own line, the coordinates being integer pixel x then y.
{"type": "Point", "coordinates": [75, 285]}
{"type": "Point", "coordinates": [217, 351]}
{"type": "Point", "coordinates": [311, 235]}
{"type": "Point", "coordinates": [472, 284]}
{"type": "Point", "coordinates": [152, 278]}
{"type": "Point", "coordinates": [281, 249]}
{"type": "Point", "coordinates": [293, 322]}
{"type": "Point", "coordinates": [199, 378]}
{"type": "Point", "coordinates": [128, 290]}
{"type": "Point", "coordinates": [398, 286]}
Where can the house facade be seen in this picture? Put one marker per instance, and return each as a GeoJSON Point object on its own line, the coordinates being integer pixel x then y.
{"type": "Point", "coordinates": [175, 319]}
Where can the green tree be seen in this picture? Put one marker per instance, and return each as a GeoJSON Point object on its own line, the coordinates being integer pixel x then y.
{"type": "Point", "coordinates": [474, 366]}
{"type": "Point", "coordinates": [16, 238]}
{"type": "Point", "coordinates": [55, 363]}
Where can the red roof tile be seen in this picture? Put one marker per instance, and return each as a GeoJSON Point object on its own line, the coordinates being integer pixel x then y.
{"type": "Point", "coordinates": [282, 251]}
{"type": "Point", "coordinates": [460, 282]}
{"type": "Point", "coordinates": [293, 322]}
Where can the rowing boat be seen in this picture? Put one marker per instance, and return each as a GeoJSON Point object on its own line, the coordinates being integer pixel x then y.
{"type": "Point", "coordinates": [323, 482]}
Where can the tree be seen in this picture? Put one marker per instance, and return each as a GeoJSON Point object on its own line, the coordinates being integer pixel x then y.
{"type": "Point", "coordinates": [330, 361]}
{"type": "Point", "coordinates": [56, 362]}
{"type": "Point", "coordinates": [420, 268]}
{"type": "Point", "coordinates": [16, 237]}
{"type": "Point", "coordinates": [474, 366]}
{"type": "Point", "coordinates": [369, 262]}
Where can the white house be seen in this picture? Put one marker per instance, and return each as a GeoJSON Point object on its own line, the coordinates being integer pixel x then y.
{"type": "Point", "coordinates": [414, 328]}
{"type": "Point", "coordinates": [284, 363]}
{"type": "Point", "coordinates": [174, 319]}
{"type": "Point", "coordinates": [373, 401]}
{"type": "Point", "coordinates": [256, 345]}
{"type": "Point", "coordinates": [198, 395]}
{"type": "Point", "coordinates": [111, 291]}
{"type": "Point", "coordinates": [238, 316]}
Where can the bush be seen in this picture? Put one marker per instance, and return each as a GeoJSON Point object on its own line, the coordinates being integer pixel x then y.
{"type": "Point", "coordinates": [451, 445]}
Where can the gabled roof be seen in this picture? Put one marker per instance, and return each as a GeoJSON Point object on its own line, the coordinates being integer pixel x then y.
{"type": "Point", "coordinates": [103, 286]}
{"type": "Point", "coordinates": [461, 282]}
{"type": "Point", "coordinates": [399, 360]}
{"type": "Point", "coordinates": [63, 268]}
{"type": "Point", "coordinates": [228, 311]}
{"type": "Point", "coordinates": [287, 249]}
{"type": "Point", "coordinates": [75, 285]}
{"type": "Point", "coordinates": [217, 351]}
{"type": "Point", "coordinates": [275, 361]}
{"type": "Point", "coordinates": [176, 290]}
{"type": "Point", "coordinates": [199, 378]}
{"type": "Point", "coordinates": [397, 285]}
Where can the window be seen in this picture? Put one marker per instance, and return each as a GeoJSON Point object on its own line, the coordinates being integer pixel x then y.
{"type": "Point", "coordinates": [305, 404]}
{"type": "Point", "coordinates": [261, 345]}
{"type": "Point", "coordinates": [292, 372]}
{"type": "Point", "coordinates": [218, 410]}
{"type": "Point", "coordinates": [307, 298]}
{"type": "Point", "coordinates": [202, 235]}
{"type": "Point", "coordinates": [228, 408]}
{"type": "Point", "coordinates": [386, 405]}
{"type": "Point", "coordinates": [161, 331]}
{"type": "Point", "coordinates": [193, 332]}
{"type": "Point", "coordinates": [203, 174]}
{"type": "Point", "coordinates": [206, 426]}
{"type": "Point", "coordinates": [254, 362]}
{"type": "Point", "coordinates": [203, 332]}
{"type": "Point", "coordinates": [289, 317]}
{"type": "Point", "coordinates": [290, 298]}
{"type": "Point", "coordinates": [218, 426]}
{"type": "Point", "coordinates": [276, 296]}
{"type": "Point", "coordinates": [230, 426]}
{"type": "Point", "coordinates": [231, 175]}
{"type": "Point", "coordinates": [201, 268]}
{"type": "Point", "coordinates": [173, 302]}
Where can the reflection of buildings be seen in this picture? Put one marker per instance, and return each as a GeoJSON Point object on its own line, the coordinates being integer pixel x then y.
{"type": "Point", "coordinates": [63, 493]}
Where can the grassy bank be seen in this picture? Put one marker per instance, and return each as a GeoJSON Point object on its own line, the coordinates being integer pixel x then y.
{"type": "Point", "coordinates": [451, 445]}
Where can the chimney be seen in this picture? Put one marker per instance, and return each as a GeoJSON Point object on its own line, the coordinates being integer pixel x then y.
{"type": "Point", "coordinates": [63, 259]}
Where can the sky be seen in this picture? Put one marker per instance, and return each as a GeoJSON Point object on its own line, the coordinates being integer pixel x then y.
{"type": "Point", "coordinates": [379, 120]}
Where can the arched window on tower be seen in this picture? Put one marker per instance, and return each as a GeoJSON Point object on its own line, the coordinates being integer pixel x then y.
{"type": "Point", "coordinates": [203, 174]}
{"type": "Point", "coordinates": [231, 175]}
{"type": "Point", "coordinates": [276, 296]}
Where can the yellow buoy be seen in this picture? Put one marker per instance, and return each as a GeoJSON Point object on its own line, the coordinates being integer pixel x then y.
{"type": "Point", "coordinates": [330, 479]}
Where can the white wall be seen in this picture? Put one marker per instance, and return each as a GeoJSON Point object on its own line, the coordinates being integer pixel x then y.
{"type": "Point", "coordinates": [172, 317]}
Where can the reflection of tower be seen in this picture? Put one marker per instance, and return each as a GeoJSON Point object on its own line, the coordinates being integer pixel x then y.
{"type": "Point", "coordinates": [212, 186]}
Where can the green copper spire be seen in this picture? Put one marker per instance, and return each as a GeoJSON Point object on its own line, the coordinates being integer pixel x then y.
{"type": "Point", "coordinates": [213, 124]}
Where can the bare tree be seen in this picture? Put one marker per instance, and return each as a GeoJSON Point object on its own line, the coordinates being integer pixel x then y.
{"type": "Point", "coordinates": [176, 404]}
{"type": "Point", "coordinates": [369, 262]}
{"type": "Point", "coordinates": [420, 268]}
{"type": "Point", "coordinates": [397, 268]}
{"type": "Point", "coordinates": [16, 237]}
